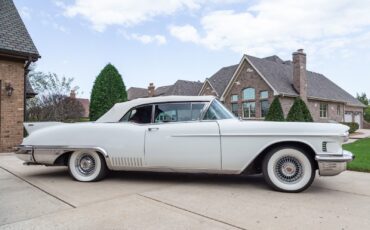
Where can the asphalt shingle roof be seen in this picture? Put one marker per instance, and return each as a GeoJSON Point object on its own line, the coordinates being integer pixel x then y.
{"type": "Point", "coordinates": [279, 75]}
{"type": "Point", "coordinates": [180, 88]}
{"type": "Point", "coordinates": [135, 92]}
{"type": "Point", "coordinates": [14, 37]}
{"type": "Point", "coordinates": [184, 88]}
{"type": "Point", "coordinates": [221, 78]}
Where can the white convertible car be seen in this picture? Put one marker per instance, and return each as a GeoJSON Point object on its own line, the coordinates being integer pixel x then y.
{"type": "Point", "coordinates": [189, 134]}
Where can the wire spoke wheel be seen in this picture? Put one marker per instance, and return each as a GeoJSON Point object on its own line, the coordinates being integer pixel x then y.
{"type": "Point", "coordinates": [87, 166]}
{"type": "Point", "coordinates": [288, 169]}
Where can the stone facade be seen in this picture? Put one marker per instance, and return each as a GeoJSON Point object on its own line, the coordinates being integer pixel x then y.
{"type": "Point", "coordinates": [335, 111]}
{"type": "Point", "coordinates": [247, 77]}
{"type": "Point", "coordinates": [11, 107]}
{"type": "Point", "coordinates": [207, 89]}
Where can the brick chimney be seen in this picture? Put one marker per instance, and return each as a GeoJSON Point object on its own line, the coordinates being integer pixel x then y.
{"type": "Point", "coordinates": [72, 94]}
{"type": "Point", "coordinates": [299, 73]}
{"type": "Point", "coordinates": [151, 90]}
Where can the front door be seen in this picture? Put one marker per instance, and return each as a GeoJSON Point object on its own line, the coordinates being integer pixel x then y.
{"type": "Point", "coordinates": [179, 140]}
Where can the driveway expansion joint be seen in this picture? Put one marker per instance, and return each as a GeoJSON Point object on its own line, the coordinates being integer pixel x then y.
{"type": "Point", "coordinates": [39, 188]}
{"type": "Point", "coordinates": [192, 212]}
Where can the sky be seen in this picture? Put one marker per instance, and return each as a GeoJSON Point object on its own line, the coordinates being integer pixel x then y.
{"type": "Point", "coordinates": [161, 41]}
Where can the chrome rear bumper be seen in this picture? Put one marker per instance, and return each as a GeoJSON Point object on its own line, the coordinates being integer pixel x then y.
{"type": "Point", "coordinates": [331, 165]}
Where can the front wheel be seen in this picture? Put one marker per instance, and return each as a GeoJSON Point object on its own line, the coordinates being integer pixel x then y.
{"type": "Point", "coordinates": [87, 166]}
{"type": "Point", "coordinates": [288, 169]}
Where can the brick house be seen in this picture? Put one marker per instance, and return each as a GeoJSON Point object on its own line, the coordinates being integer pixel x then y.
{"type": "Point", "coordinates": [249, 87]}
{"type": "Point", "coordinates": [17, 52]}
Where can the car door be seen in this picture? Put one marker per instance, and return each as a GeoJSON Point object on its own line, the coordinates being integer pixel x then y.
{"type": "Point", "coordinates": [179, 140]}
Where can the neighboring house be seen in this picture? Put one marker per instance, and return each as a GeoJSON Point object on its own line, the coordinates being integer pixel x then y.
{"type": "Point", "coordinates": [181, 87]}
{"type": "Point", "coordinates": [17, 52]}
{"type": "Point", "coordinates": [249, 87]}
{"type": "Point", "coordinates": [84, 102]}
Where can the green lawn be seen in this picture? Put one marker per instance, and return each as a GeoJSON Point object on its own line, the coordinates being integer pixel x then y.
{"type": "Point", "coordinates": [361, 149]}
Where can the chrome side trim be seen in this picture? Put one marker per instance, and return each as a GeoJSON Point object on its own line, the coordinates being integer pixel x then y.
{"type": "Point", "coordinates": [281, 134]}
{"type": "Point", "coordinates": [47, 155]}
{"type": "Point", "coordinates": [71, 148]}
{"type": "Point", "coordinates": [196, 135]}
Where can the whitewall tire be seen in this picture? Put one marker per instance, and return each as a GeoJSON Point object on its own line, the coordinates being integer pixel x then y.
{"type": "Point", "coordinates": [288, 169]}
{"type": "Point", "coordinates": [87, 166]}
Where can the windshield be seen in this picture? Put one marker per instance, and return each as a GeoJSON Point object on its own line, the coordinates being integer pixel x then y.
{"type": "Point", "coordinates": [217, 111]}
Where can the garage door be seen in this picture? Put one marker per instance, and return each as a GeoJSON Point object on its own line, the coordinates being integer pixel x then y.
{"type": "Point", "coordinates": [348, 117]}
{"type": "Point", "coordinates": [358, 119]}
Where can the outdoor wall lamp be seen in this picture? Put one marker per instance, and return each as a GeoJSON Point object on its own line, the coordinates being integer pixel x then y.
{"type": "Point", "coordinates": [9, 89]}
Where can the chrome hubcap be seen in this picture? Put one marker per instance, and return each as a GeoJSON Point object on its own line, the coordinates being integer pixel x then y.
{"type": "Point", "coordinates": [85, 165]}
{"type": "Point", "coordinates": [288, 169]}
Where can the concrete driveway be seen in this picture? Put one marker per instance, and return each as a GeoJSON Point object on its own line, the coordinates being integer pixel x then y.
{"type": "Point", "coordinates": [38, 197]}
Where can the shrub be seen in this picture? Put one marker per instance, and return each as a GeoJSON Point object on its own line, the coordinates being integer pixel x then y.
{"type": "Point", "coordinates": [299, 112]}
{"type": "Point", "coordinates": [275, 112]}
{"type": "Point", "coordinates": [367, 114]}
{"type": "Point", "coordinates": [353, 126]}
{"type": "Point", "coordinates": [108, 90]}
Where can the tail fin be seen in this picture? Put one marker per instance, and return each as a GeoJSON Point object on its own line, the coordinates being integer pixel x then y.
{"type": "Point", "coordinates": [33, 126]}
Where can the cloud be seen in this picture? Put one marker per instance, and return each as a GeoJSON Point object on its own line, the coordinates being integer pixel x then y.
{"type": "Point", "coordinates": [186, 33]}
{"type": "Point", "coordinates": [144, 38]}
{"type": "Point", "coordinates": [127, 13]}
{"type": "Point", "coordinates": [279, 25]}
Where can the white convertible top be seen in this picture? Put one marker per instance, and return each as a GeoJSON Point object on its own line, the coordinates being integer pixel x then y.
{"type": "Point", "coordinates": [120, 109]}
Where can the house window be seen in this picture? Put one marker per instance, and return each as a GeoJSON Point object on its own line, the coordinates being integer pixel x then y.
{"type": "Point", "coordinates": [338, 110]}
{"type": "Point", "coordinates": [264, 108]}
{"type": "Point", "coordinates": [234, 98]}
{"type": "Point", "coordinates": [249, 109]}
{"type": "Point", "coordinates": [249, 94]}
{"type": "Point", "coordinates": [234, 109]}
{"type": "Point", "coordinates": [264, 94]}
{"type": "Point", "coordinates": [323, 110]}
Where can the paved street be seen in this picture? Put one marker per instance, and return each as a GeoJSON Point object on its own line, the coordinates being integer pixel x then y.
{"type": "Point", "coordinates": [38, 197]}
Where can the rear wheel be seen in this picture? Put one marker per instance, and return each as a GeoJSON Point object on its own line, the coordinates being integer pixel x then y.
{"type": "Point", "coordinates": [87, 166]}
{"type": "Point", "coordinates": [288, 169]}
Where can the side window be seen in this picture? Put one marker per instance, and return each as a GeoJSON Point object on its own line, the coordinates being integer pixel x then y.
{"type": "Point", "coordinates": [140, 115]}
{"type": "Point", "coordinates": [196, 110]}
{"type": "Point", "coordinates": [177, 112]}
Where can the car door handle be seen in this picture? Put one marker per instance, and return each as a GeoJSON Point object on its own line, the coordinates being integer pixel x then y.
{"type": "Point", "coordinates": [152, 129]}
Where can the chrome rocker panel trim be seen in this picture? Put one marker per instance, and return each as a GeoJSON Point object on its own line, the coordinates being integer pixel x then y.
{"type": "Point", "coordinates": [330, 165]}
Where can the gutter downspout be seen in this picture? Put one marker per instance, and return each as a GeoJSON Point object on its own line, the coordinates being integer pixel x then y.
{"type": "Point", "coordinates": [26, 71]}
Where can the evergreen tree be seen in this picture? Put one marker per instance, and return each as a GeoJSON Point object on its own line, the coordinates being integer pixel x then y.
{"type": "Point", "coordinates": [306, 112]}
{"type": "Point", "coordinates": [299, 112]}
{"type": "Point", "coordinates": [108, 90]}
{"type": "Point", "coordinates": [275, 112]}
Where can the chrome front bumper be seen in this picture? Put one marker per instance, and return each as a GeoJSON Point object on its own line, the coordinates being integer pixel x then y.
{"type": "Point", "coordinates": [331, 165]}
